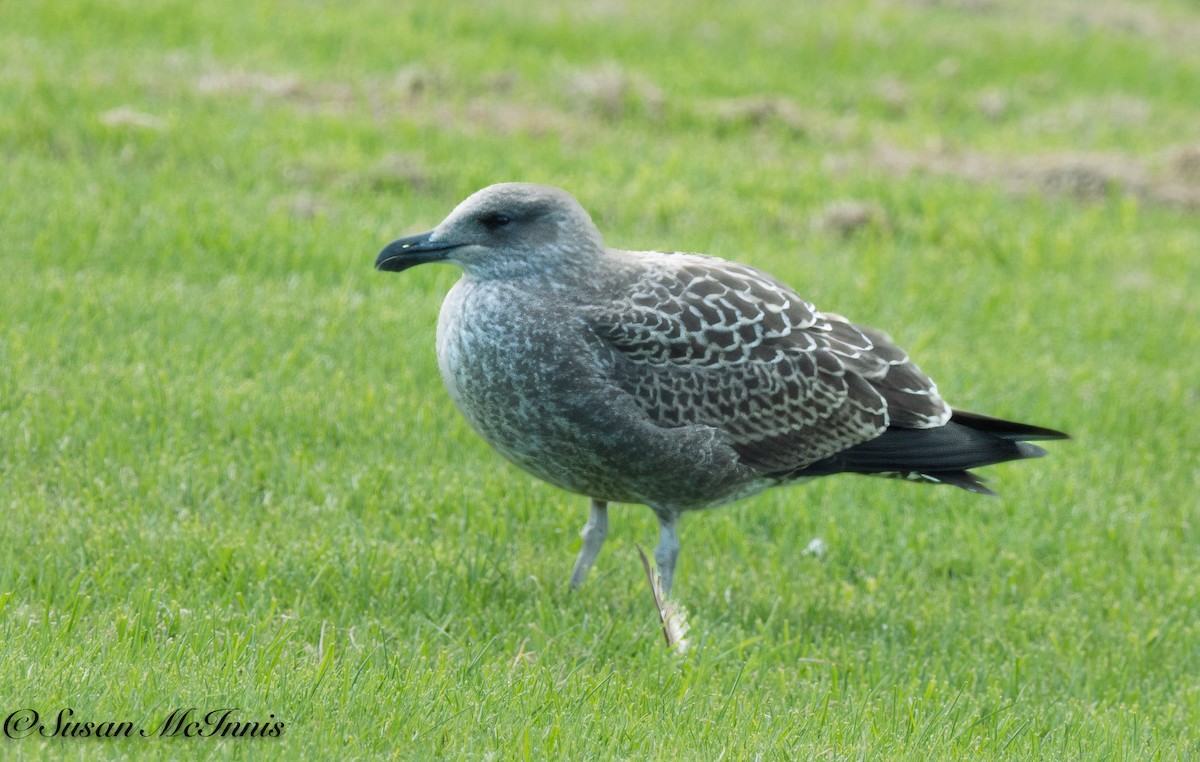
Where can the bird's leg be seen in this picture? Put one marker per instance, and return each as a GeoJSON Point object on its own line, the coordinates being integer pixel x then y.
{"type": "Point", "coordinates": [666, 552]}
{"type": "Point", "coordinates": [593, 535]}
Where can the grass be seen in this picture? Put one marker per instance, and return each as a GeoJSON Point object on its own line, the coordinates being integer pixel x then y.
{"type": "Point", "coordinates": [231, 478]}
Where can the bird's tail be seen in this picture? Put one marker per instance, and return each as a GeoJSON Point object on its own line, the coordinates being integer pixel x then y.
{"type": "Point", "coordinates": [1010, 430]}
{"type": "Point", "coordinates": [940, 455]}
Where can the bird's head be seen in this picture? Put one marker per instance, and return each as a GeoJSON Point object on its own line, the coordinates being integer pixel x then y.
{"type": "Point", "coordinates": [503, 231]}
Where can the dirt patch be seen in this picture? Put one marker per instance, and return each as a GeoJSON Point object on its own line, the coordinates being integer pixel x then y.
{"type": "Point", "coordinates": [127, 116]}
{"type": "Point", "coordinates": [1176, 27]}
{"type": "Point", "coordinates": [278, 85]}
{"type": "Point", "coordinates": [1082, 116]}
{"type": "Point", "coordinates": [894, 94]}
{"type": "Point", "coordinates": [303, 206]}
{"type": "Point", "coordinates": [511, 118]}
{"type": "Point", "coordinates": [971, 6]}
{"type": "Point", "coordinates": [1183, 163]}
{"type": "Point", "coordinates": [398, 171]}
{"type": "Point", "coordinates": [313, 96]}
{"type": "Point", "coordinates": [390, 173]}
{"type": "Point", "coordinates": [422, 95]}
{"type": "Point", "coordinates": [612, 92]}
{"type": "Point", "coordinates": [1172, 178]}
{"type": "Point", "coordinates": [757, 111]}
{"type": "Point", "coordinates": [847, 217]}
{"type": "Point", "coordinates": [993, 104]}
{"type": "Point", "coordinates": [1115, 16]}
{"type": "Point", "coordinates": [414, 81]}
{"type": "Point", "coordinates": [1085, 177]}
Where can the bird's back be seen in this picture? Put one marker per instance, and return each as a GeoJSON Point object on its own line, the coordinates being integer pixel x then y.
{"type": "Point", "coordinates": [702, 341]}
{"type": "Point", "coordinates": [699, 341]}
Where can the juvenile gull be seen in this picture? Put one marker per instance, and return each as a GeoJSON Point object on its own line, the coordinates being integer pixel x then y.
{"type": "Point", "coordinates": [679, 381]}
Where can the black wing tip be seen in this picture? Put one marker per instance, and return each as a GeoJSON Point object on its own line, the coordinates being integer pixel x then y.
{"type": "Point", "coordinates": [1041, 435]}
{"type": "Point", "coordinates": [1004, 429]}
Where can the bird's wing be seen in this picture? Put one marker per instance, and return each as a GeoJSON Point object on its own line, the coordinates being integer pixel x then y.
{"type": "Point", "coordinates": [702, 341]}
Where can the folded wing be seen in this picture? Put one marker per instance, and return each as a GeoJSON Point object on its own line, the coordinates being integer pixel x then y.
{"type": "Point", "coordinates": [702, 341]}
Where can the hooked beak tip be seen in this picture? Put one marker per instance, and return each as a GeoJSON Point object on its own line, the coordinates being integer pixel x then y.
{"type": "Point", "coordinates": [414, 250]}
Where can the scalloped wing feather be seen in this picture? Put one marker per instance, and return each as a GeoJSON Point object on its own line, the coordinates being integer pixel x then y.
{"type": "Point", "coordinates": [703, 341]}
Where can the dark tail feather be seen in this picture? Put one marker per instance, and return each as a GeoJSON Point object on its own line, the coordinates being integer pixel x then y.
{"type": "Point", "coordinates": [1010, 430]}
{"type": "Point", "coordinates": [943, 455]}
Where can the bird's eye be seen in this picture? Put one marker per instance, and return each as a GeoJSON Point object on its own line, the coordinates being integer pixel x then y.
{"type": "Point", "coordinates": [494, 221]}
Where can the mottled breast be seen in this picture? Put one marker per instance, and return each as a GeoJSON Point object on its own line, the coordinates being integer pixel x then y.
{"type": "Point", "coordinates": [524, 368]}
{"type": "Point", "coordinates": [504, 351]}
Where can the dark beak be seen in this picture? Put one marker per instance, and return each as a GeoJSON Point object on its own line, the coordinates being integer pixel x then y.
{"type": "Point", "coordinates": [414, 250]}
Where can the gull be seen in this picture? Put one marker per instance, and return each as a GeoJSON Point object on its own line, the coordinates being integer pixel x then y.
{"type": "Point", "coordinates": [673, 380]}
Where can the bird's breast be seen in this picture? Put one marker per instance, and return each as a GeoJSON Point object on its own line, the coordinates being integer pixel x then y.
{"type": "Point", "coordinates": [492, 349]}
{"type": "Point", "coordinates": [502, 356]}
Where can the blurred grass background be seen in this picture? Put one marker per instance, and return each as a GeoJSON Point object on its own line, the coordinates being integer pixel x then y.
{"type": "Point", "coordinates": [231, 476]}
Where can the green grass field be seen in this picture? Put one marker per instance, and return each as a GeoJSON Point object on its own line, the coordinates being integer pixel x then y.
{"type": "Point", "coordinates": [231, 477]}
